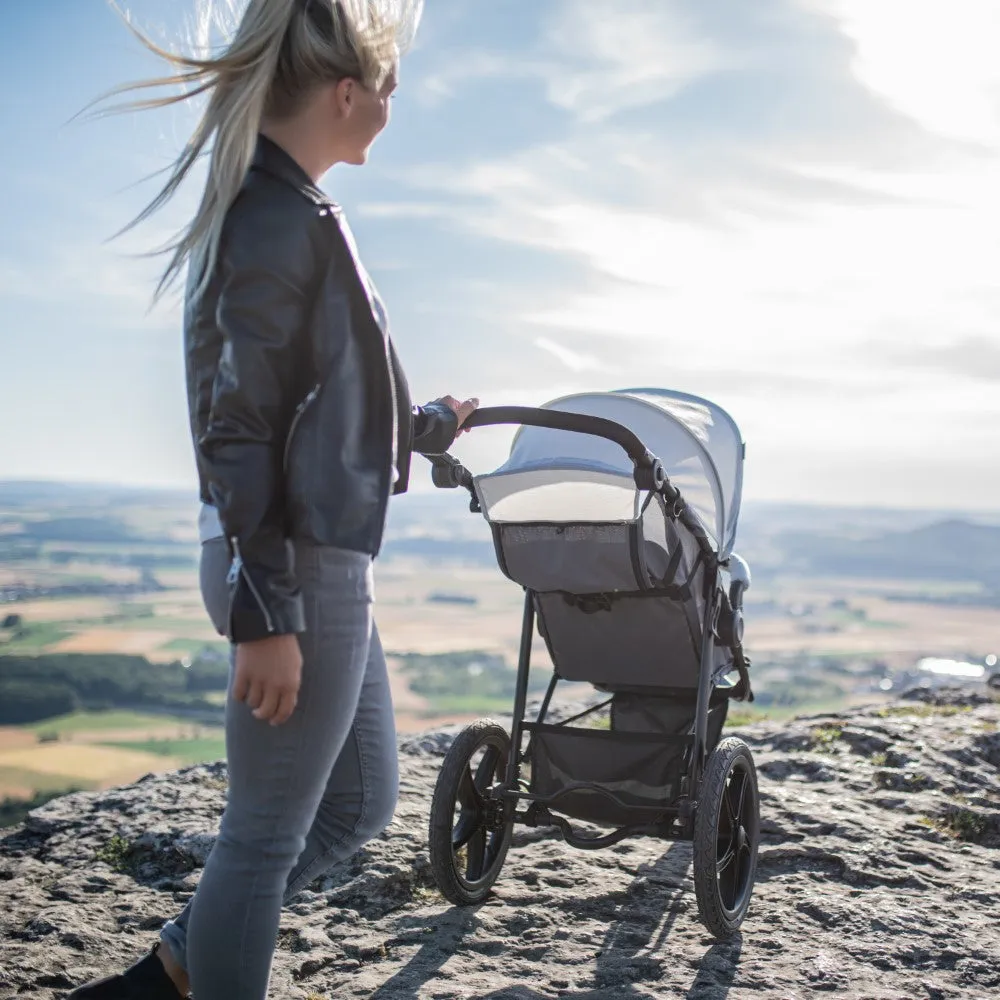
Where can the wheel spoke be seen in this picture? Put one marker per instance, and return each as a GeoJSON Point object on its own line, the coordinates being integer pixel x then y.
{"type": "Point", "coordinates": [468, 795]}
{"type": "Point", "coordinates": [477, 855]}
{"type": "Point", "coordinates": [468, 823]}
{"type": "Point", "coordinates": [725, 861]}
{"type": "Point", "coordinates": [724, 874]}
{"type": "Point", "coordinates": [740, 869]}
{"type": "Point", "coordinates": [737, 789]}
{"type": "Point", "coordinates": [743, 795]}
{"type": "Point", "coordinates": [493, 849]}
{"type": "Point", "coordinates": [728, 802]}
{"type": "Point", "coordinates": [487, 767]}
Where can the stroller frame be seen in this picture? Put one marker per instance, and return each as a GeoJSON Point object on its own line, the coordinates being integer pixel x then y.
{"type": "Point", "coordinates": [497, 799]}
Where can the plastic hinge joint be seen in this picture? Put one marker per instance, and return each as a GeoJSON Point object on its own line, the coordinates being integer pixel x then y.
{"type": "Point", "coordinates": [650, 475]}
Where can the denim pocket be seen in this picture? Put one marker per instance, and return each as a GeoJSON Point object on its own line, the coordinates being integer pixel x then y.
{"type": "Point", "coordinates": [336, 574]}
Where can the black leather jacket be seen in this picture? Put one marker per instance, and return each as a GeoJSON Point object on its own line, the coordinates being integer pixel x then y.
{"type": "Point", "coordinates": [293, 390]}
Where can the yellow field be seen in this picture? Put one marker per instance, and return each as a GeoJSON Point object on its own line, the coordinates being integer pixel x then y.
{"type": "Point", "coordinates": [12, 737]}
{"type": "Point", "coordinates": [91, 763]}
{"type": "Point", "coordinates": [180, 603]}
{"type": "Point", "coordinates": [901, 631]}
{"type": "Point", "coordinates": [166, 731]}
{"type": "Point", "coordinates": [77, 608]}
{"type": "Point", "coordinates": [407, 621]}
{"type": "Point", "coordinates": [81, 757]}
{"type": "Point", "coordinates": [109, 640]}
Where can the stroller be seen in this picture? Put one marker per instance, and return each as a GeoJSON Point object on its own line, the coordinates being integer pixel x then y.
{"type": "Point", "coordinates": [616, 512]}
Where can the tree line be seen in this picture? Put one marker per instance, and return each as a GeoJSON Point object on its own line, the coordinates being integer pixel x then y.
{"type": "Point", "coordinates": [34, 688]}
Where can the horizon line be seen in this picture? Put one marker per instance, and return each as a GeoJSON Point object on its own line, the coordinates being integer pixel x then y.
{"type": "Point", "coordinates": [192, 489]}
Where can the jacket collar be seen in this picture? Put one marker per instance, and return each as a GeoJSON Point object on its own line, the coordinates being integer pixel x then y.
{"type": "Point", "coordinates": [272, 159]}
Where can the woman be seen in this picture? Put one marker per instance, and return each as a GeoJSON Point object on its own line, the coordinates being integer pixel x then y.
{"type": "Point", "coordinates": [303, 428]}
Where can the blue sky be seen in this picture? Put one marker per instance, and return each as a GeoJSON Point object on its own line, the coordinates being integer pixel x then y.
{"type": "Point", "coordinates": [790, 206]}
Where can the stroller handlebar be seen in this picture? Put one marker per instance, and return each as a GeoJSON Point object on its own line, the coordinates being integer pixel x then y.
{"type": "Point", "coordinates": [579, 423]}
{"type": "Point", "coordinates": [648, 472]}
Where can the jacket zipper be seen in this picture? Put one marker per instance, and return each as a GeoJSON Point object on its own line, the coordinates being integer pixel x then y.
{"type": "Point", "coordinates": [299, 411]}
{"type": "Point", "coordinates": [238, 569]}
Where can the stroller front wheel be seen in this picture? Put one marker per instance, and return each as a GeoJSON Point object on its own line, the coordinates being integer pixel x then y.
{"type": "Point", "coordinates": [469, 827]}
{"type": "Point", "coordinates": [726, 836]}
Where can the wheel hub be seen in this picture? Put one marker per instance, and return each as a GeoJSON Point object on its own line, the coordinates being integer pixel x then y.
{"type": "Point", "coordinates": [493, 813]}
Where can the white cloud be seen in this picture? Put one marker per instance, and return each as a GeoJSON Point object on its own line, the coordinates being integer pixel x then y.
{"type": "Point", "coordinates": [574, 360]}
{"type": "Point", "coordinates": [595, 59]}
{"type": "Point", "coordinates": [785, 205]}
{"type": "Point", "coordinates": [444, 83]}
{"type": "Point", "coordinates": [617, 56]}
{"type": "Point", "coordinates": [936, 62]}
{"type": "Point", "coordinates": [789, 279]}
{"type": "Point", "coordinates": [401, 210]}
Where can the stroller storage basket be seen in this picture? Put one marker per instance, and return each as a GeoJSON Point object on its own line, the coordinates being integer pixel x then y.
{"type": "Point", "coordinates": [642, 713]}
{"type": "Point", "coordinates": [635, 775]}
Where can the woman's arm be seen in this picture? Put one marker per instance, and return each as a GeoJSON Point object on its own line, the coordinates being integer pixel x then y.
{"type": "Point", "coordinates": [265, 266]}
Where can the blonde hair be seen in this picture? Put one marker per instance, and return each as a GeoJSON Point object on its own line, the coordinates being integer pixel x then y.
{"type": "Point", "coordinates": [280, 51]}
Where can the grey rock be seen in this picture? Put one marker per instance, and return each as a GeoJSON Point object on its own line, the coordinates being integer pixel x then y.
{"type": "Point", "coordinates": [956, 696]}
{"type": "Point", "coordinates": [879, 877]}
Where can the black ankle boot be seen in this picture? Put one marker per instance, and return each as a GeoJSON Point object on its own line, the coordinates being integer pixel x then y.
{"type": "Point", "coordinates": [146, 980]}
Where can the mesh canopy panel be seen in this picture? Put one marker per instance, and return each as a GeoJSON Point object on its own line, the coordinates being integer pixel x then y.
{"type": "Point", "coordinates": [551, 494]}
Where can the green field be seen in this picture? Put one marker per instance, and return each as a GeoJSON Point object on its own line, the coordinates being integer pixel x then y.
{"type": "Point", "coordinates": [14, 777]}
{"type": "Point", "coordinates": [87, 750]}
{"type": "Point", "coordinates": [193, 751]}
{"type": "Point", "coordinates": [472, 704]}
{"type": "Point", "coordinates": [181, 645]}
{"type": "Point", "coordinates": [81, 722]}
{"type": "Point", "coordinates": [34, 638]}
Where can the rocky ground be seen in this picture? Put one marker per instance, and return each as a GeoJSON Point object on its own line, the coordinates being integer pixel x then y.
{"type": "Point", "coordinates": [879, 877]}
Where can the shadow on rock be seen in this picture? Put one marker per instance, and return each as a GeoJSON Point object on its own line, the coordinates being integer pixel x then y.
{"type": "Point", "coordinates": [442, 936]}
{"type": "Point", "coordinates": [630, 960]}
{"type": "Point", "coordinates": [716, 970]}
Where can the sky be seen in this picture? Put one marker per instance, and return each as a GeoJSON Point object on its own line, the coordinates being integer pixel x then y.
{"type": "Point", "coordinates": [791, 207]}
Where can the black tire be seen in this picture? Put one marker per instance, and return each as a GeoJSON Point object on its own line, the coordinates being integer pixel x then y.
{"type": "Point", "coordinates": [468, 850]}
{"type": "Point", "coordinates": [726, 837]}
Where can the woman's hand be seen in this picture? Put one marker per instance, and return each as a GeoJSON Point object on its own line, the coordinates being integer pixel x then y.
{"type": "Point", "coordinates": [461, 410]}
{"type": "Point", "coordinates": [267, 677]}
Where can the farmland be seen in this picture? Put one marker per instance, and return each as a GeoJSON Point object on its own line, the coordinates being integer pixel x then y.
{"type": "Point", "coordinates": [98, 750]}
{"type": "Point", "coordinates": [97, 574]}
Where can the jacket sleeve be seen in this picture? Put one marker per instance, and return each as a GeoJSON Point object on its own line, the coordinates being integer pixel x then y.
{"type": "Point", "coordinates": [435, 427]}
{"type": "Point", "coordinates": [265, 269]}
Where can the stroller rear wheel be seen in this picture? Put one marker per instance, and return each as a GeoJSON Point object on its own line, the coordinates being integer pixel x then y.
{"type": "Point", "coordinates": [470, 827]}
{"type": "Point", "coordinates": [726, 836]}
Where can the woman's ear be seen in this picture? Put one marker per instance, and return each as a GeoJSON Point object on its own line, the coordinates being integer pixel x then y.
{"type": "Point", "coordinates": [345, 95]}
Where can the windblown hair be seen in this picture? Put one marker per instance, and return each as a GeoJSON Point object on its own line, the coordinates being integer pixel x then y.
{"type": "Point", "coordinates": [279, 53]}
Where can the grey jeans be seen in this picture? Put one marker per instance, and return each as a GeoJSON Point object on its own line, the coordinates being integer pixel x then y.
{"type": "Point", "coordinates": [303, 795]}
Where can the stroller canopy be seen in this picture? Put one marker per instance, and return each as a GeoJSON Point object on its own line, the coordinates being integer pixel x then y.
{"type": "Point", "coordinates": [556, 475]}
